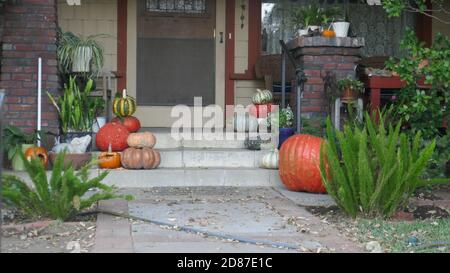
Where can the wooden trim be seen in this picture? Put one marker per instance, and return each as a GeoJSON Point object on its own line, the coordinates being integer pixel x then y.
{"type": "Point", "coordinates": [229, 52]}
{"type": "Point", "coordinates": [122, 17]}
{"type": "Point", "coordinates": [424, 27]}
{"type": "Point", "coordinates": [254, 46]}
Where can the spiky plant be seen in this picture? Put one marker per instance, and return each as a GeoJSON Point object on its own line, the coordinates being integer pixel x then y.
{"type": "Point", "coordinates": [69, 47]}
{"type": "Point", "coordinates": [372, 171]}
{"type": "Point", "coordinates": [60, 196]}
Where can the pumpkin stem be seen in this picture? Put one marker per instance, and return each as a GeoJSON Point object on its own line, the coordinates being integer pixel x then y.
{"type": "Point", "coordinates": [124, 93]}
{"type": "Point", "coordinates": [110, 148]}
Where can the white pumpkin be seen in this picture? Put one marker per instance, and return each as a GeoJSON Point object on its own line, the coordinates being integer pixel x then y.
{"type": "Point", "coordinates": [270, 160]}
{"type": "Point", "coordinates": [245, 123]}
{"type": "Point", "coordinates": [262, 97]}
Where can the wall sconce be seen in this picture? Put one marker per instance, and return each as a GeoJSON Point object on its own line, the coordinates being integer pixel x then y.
{"type": "Point", "coordinates": [243, 7]}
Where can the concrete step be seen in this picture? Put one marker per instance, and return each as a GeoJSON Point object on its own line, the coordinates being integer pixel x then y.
{"type": "Point", "coordinates": [185, 177]}
{"type": "Point", "coordinates": [208, 158]}
{"type": "Point", "coordinates": [193, 177]}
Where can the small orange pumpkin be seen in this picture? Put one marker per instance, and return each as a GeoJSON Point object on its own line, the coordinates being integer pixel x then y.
{"type": "Point", "coordinates": [328, 33]}
{"type": "Point", "coordinates": [37, 152]}
{"type": "Point", "coordinates": [109, 160]}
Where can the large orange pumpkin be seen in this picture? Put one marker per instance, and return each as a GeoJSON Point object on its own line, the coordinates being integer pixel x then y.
{"type": "Point", "coordinates": [132, 123]}
{"type": "Point", "coordinates": [300, 164]}
{"type": "Point", "coordinates": [37, 152]}
{"type": "Point", "coordinates": [114, 134]}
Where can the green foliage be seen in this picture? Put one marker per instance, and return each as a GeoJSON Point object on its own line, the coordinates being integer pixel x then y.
{"type": "Point", "coordinates": [351, 84]}
{"type": "Point", "coordinates": [13, 138]}
{"type": "Point", "coordinates": [395, 8]}
{"type": "Point", "coordinates": [372, 171]}
{"type": "Point", "coordinates": [313, 15]}
{"type": "Point", "coordinates": [69, 43]}
{"type": "Point", "coordinates": [284, 118]}
{"type": "Point", "coordinates": [77, 109]}
{"type": "Point", "coordinates": [425, 109]}
{"type": "Point", "coordinates": [60, 196]}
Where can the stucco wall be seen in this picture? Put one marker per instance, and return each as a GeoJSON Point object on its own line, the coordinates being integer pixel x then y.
{"type": "Point", "coordinates": [92, 18]}
{"type": "Point", "coordinates": [441, 27]}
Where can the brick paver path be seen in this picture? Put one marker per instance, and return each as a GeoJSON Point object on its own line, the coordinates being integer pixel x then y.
{"type": "Point", "coordinates": [260, 214]}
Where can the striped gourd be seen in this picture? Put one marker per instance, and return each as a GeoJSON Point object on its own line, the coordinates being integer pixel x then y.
{"type": "Point", "coordinates": [124, 106]}
{"type": "Point", "coordinates": [262, 97]}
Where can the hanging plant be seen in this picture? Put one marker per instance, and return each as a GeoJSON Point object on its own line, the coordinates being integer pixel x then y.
{"type": "Point", "coordinates": [80, 55]}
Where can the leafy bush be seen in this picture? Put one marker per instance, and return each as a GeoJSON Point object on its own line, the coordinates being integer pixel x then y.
{"type": "Point", "coordinates": [425, 110]}
{"type": "Point", "coordinates": [372, 171]}
{"type": "Point", "coordinates": [58, 197]}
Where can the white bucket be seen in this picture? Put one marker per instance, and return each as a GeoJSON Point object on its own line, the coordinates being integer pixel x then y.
{"type": "Point", "coordinates": [341, 28]}
{"type": "Point", "coordinates": [99, 123]}
{"type": "Point", "coordinates": [302, 32]}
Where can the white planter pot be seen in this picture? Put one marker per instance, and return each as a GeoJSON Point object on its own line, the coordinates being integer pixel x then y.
{"type": "Point", "coordinates": [302, 32]}
{"type": "Point", "coordinates": [82, 59]}
{"type": "Point", "coordinates": [98, 123]}
{"type": "Point", "coordinates": [341, 28]}
{"type": "Point", "coordinates": [313, 28]}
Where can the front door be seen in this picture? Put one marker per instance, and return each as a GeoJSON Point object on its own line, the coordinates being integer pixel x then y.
{"type": "Point", "coordinates": [175, 53]}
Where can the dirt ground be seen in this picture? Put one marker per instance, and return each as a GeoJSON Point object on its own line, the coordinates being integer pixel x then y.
{"type": "Point", "coordinates": [47, 236]}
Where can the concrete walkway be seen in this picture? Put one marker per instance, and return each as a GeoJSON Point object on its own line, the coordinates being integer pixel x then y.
{"type": "Point", "coordinates": [257, 214]}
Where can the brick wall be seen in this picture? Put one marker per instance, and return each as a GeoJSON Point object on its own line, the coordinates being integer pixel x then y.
{"type": "Point", "coordinates": [29, 32]}
{"type": "Point", "coordinates": [317, 55]}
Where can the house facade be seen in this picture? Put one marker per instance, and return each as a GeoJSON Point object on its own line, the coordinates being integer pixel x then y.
{"type": "Point", "coordinates": [165, 52]}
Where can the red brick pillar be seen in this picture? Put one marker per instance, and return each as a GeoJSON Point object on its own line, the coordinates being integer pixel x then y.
{"type": "Point", "coordinates": [317, 55]}
{"type": "Point", "coordinates": [29, 32]}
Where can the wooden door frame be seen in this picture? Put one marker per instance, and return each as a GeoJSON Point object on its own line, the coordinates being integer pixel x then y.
{"type": "Point", "coordinates": [230, 76]}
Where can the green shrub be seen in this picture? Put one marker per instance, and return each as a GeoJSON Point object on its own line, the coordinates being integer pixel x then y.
{"type": "Point", "coordinates": [373, 171]}
{"type": "Point", "coordinates": [59, 197]}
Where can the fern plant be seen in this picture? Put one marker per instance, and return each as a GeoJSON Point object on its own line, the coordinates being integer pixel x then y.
{"type": "Point", "coordinates": [372, 171]}
{"type": "Point", "coordinates": [60, 196]}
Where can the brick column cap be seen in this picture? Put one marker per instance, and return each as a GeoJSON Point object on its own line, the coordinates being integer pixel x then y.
{"type": "Point", "coordinates": [319, 41]}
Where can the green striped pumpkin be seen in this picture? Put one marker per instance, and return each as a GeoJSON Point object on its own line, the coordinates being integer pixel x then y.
{"type": "Point", "coordinates": [124, 106]}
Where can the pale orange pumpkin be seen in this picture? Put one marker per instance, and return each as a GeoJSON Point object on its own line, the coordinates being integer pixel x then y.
{"type": "Point", "coordinates": [137, 159]}
{"type": "Point", "coordinates": [141, 140]}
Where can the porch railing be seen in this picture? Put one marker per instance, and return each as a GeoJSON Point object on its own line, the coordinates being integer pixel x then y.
{"type": "Point", "coordinates": [300, 80]}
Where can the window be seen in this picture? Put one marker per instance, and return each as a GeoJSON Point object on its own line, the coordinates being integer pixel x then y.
{"type": "Point", "coordinates": [177, 6]}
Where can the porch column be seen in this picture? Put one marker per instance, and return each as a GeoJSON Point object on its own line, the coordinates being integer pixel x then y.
{"type": "Point", "coordinates": [29, 32]}
{"type": "Point", "coordinates": [317, 56]}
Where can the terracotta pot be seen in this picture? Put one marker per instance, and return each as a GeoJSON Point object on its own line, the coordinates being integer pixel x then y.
{"type": "Point", "coordinates": [77, 160]}
{"type": "Point", "coordinates": [349, 94]}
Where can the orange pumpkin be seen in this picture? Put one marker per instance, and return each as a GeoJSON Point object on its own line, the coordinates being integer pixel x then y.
{"type": "Point", "coordinates": [141, 140]}
{"type": "Point", "coordinates": [300, 164]}
{"type": "Point", "coordinates": [109, 160]}
{"type": "Point", "coordinates": [37, 152]}
{"type": "Point", "coordinates": [136, 159]}
{"type": "Point", "coordinates": [328, 33]}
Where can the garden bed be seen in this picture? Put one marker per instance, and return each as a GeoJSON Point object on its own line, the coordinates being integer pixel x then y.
{"type": "Point", "coordinates": [20, 235]}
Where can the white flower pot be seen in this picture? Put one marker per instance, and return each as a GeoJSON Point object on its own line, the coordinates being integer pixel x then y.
{"type": "Point", "coordinates": [313, 28]}
{"type": "Point", "coordinates": [302, 32]}
{"type": "Point", "coordinates": [341, 28]}
{"type": "Point", "coordinates": [82, 59]}
{"type": "Point", "coordinates": [98, 123]}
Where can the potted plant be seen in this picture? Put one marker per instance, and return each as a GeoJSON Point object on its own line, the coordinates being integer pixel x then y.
{"type": "Point", "coordinates": [312, 17]}
{"type": "Point", "coordinates": [350, 89]}
{"type": "Point", "coordinates": [79, 54]}
{"type": "Point", "coordinates": [77, 110]}
{"type": "Point", "coordinates": [285, 120]}
{"type": "Point", "coordinates": [17, 142]}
